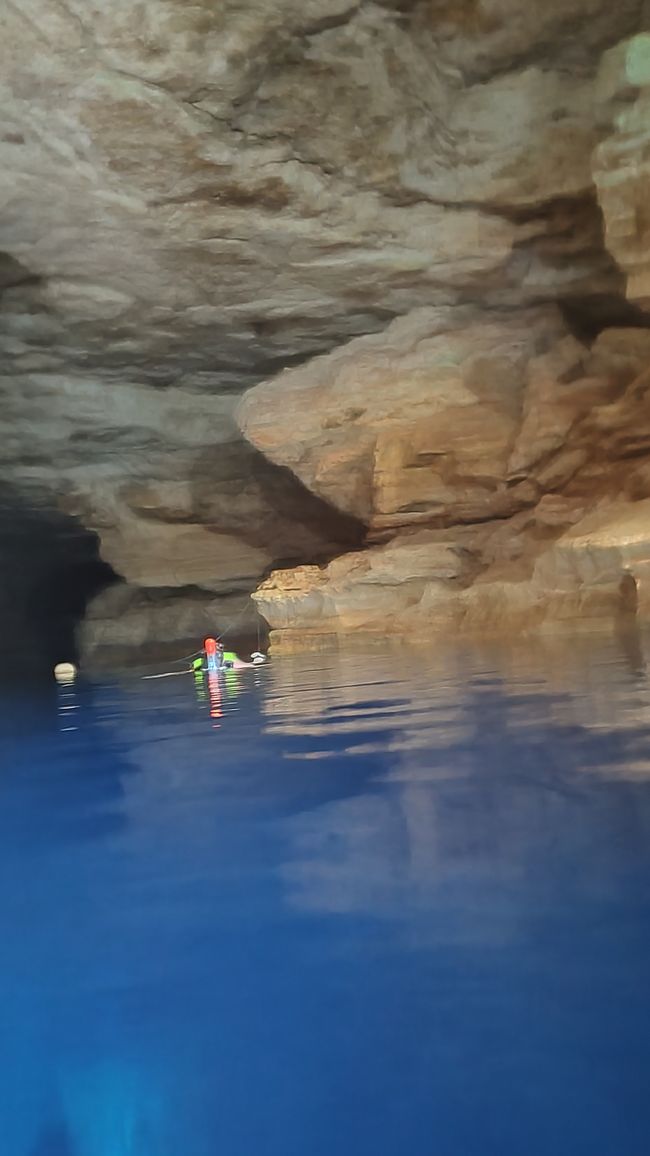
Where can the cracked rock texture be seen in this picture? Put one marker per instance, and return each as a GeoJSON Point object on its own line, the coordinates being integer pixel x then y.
{"type": "Point", "coordinates": [622, 160]}
{"type": "Point", "coordinates": [435, 212]}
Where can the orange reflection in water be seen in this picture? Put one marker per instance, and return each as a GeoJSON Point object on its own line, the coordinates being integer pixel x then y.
{"type": "Point", "coordinates": [214, 692]}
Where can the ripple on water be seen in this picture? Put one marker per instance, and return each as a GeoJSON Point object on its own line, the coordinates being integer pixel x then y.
{"type": "Point", "coordinates": [354, 903]}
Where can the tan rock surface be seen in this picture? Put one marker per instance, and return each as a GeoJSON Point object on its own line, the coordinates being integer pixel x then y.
{"type": "Point", "coordinates": [414, 424]}
{"type": "Point", "coordinates": [535, 553]}
{"type": "Point", "coordinates": [598, 569]}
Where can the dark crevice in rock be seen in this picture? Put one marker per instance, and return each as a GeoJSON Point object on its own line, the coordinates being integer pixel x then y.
{"type": "Point", "coordinates": [50, 569]}
{"type": "Point", "coordinates": [13, 274]}
{"type": "Point", "coordinates": [602, 303]}
{"type": "Point", "coordinates": [241, 492]}
{"type": "Point", "coordinates": [629, 595]}
{"type": "Point", "coordinates": [586, 316]}
{"type": "Point", "coordinates": [270, 366]}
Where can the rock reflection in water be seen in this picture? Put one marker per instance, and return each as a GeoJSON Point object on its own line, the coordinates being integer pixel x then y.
{"type": "Point", "coordinates": [390, 902]}
{"type": "Point", "coordinates": [474, 780]}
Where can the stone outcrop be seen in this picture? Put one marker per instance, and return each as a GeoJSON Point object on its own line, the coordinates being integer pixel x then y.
{"type": "Point", "coordinates": [421, 584]}
{"type": "Point", "coordinates": [507, 464]}
{"type": "Point", "coordinates": [622, 160]}
{"type": "Point", "coordinates": [194, 197]}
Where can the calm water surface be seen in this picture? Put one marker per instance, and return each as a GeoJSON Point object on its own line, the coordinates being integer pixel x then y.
{"type": "Point", "coordinates": [366, 905]}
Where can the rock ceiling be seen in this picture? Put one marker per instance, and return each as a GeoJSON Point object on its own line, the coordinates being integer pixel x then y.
{"type": "Point", "coordinates": [195, 196]}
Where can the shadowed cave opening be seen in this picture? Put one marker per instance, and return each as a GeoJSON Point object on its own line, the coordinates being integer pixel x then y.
{"type": "Point", "coordinates": [50, 569]}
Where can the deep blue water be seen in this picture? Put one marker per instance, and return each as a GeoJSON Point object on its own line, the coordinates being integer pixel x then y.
{"type": "Point", "coordinates": [366, 905]}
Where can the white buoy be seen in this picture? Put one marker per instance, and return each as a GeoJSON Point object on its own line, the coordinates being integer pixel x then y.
{"type": "Point", "coordinates": [65, 672]}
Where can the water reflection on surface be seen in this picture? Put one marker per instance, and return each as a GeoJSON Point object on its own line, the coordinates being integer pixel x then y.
{"type": "Point", "coordinates": [351, 903]}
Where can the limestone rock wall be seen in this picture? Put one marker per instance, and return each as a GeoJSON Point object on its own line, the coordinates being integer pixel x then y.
{"type": "Point", "coordinates": [501, 465]}
{"type": "Point", "coordinates": [416, 424]}
{"type": "Point", "coordinates": [194, 197]}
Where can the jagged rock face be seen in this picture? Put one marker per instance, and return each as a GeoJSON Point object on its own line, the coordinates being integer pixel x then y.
{"type": "Point", "coordinates": [415, 425]}
{"type": "Point", "coordinates": [508, 462]}
{"type": "Point", "coordinates": [194, 196]}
